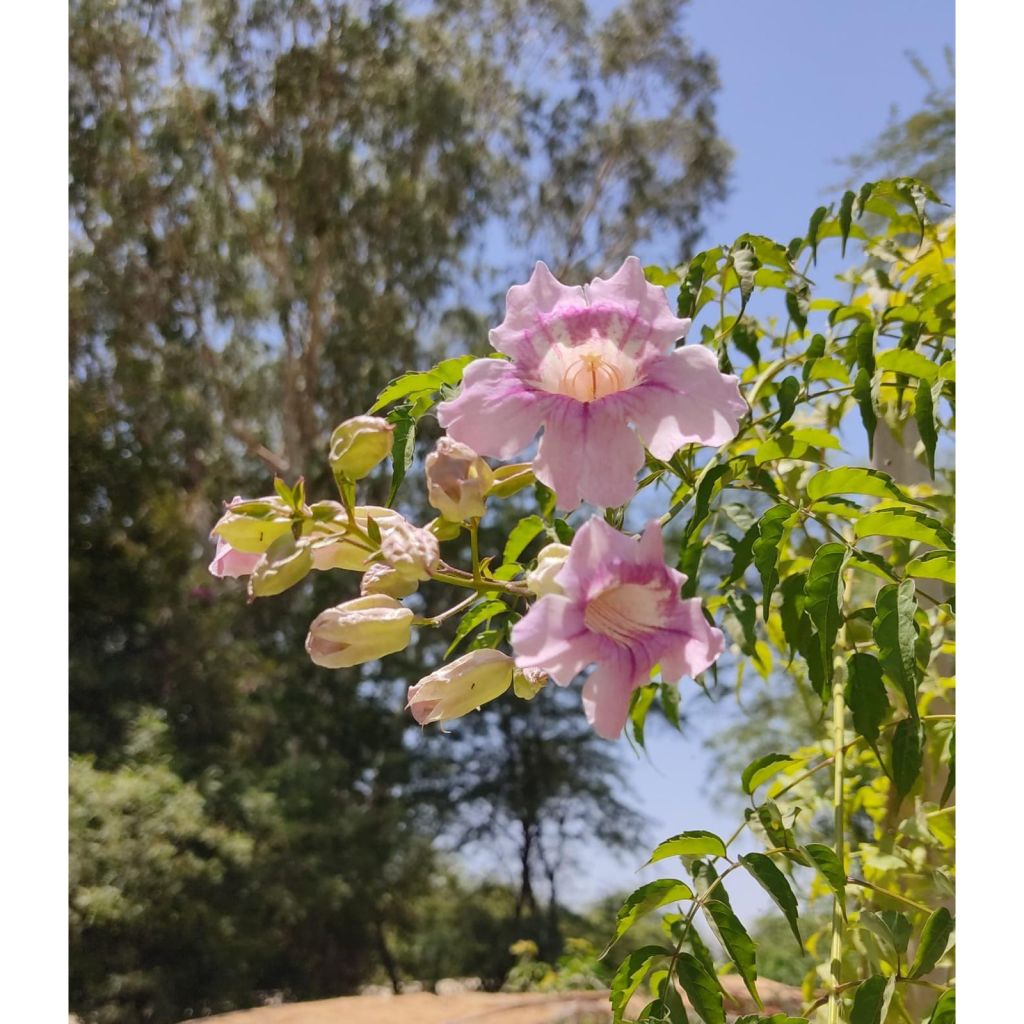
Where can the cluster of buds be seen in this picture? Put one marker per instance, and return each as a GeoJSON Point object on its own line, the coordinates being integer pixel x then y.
{"type": "Point", "coordinates": [277, 540]}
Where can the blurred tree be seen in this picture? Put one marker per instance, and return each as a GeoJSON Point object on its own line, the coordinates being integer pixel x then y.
{"type": "Point", "coordinates": [533, 776]}
{"type": "Point", "coordinates": [919, 145]}
{"type": "Point", "coordinates": [272, 208]}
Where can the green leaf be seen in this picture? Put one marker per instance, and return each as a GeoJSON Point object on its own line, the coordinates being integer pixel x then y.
{"type": "Point", "coordinates": [797, 307]}
{"type": "Point", "coordinates": [866, 695]}
{"type": "Point", "coordinates": [697, 843]}
{"type": "Point", "coordinates": [736, 942]}
{"type": "Point", "coordinates": [670, 701]}
{"type": "Point", "coordinates": [476, 615]}
{"type": "Point", "coordinates": [895, 633]}
{"type": "Point", "coordinates": [827, 863]}
{"type": "Point", "coordinates": [906, 756]}
{"type": "Point", "coordinates": [934, 565]}
{"type": "Point", "coordinates": [767, 874]}
{"type": "Point", "coordinates": [743, 553]}
{"type": "Point", "coordinates": [812, 230]}
{"type": "Point", "coordinates": [701, 989]}
{"type": "Point", "coordinates": [924, 414]}
{"type": "Point", "coordinates": [823, 597]}
{"type": "Point", "coordinates": [645, 899]}
{"type": "Point", "coordinates": [770, 817]}
{"type": "Point", "coordinates": [630, 975]}
{"type": "Point", "coordinates": [448, 372]}
{"type": "Point", "coordinates": [903, 360]}
{"type": "Point", "coordinates": [668, 1004]}
{"type": "Point", "coordinates": [403, 447]}
{"type": "Point", "coordinates": [951, 776]}
{"type": "Point", "coordinates": [792, 610]}
{"type": "Point", "coordinates": [639, 704]}
{"type": "Point", "coordinates": [864, 395]}
{"type": "Point", "coordinates": [856, 480]}
{"type": "Point", "coordinates": [899, 928]}
{"type": "Point", "coordinates": [519, 539]}
{"type": "Point", "coordinates": [934, 939]}
{"type": "Point", "coordinates": [903, 522]}
{"type": "Point", "coordinates": [763, 768]}
{"type": "Point", "coordinates": [845, 218]}
{"type": "Point", "coordinates": [871, 1000]}
{"type": "Point", "coordinates": [789, 388]}
{"type": "Point", "coordinates": [772, 528]}
{"type": "Point", "coordinates": [944, 1010]}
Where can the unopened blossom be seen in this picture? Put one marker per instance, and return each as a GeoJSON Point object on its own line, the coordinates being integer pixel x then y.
{"type": "Point", "coordinates": [251, 525]}
{"type": "Point", "coordinates": [359, 444]}
{"type": "Point", "coordinates": [528, 682]}
{"type": "Point", "coordinates": [589, 365]}
{"type": "Point", "coordinates": [227, 561]}
{"type": "Point", "coordinates": [457, 480]}
{"type": "Point", "coordinates": [286, 562]}
{"type": "Point", "coordinates": [550, 559]}
{"type": "Point", "coordinates": [361, 630]}
{"type": "Point", "coordinates": [342, 548]}
{"type": "Point", "coordinates": [620, 609]}
{"type": "Point", "coordinates": [461, 686]}
{"type": "Point", "coordinates": [410, 550]}
{"type": "Point", "coordinates": [382, 579]}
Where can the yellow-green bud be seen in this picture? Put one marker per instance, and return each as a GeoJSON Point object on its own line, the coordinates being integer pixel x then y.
{"type": "Point", "coordinates": [358, 631]}
{"type": "Point", "coordinates": [359, 444]}
{"type": "Point", "coordinates": [286, 562]}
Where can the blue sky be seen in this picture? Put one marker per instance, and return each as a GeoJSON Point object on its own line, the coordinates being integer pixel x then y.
{"type": "Point", "coordinates": [804, 82]}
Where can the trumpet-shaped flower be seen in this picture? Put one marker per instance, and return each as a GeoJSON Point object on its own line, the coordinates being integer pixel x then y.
{"type": "Point", "coordinates": [586, 364]}
{"type": "Point", "coordinates": [360, 630]}
{"type": "Point", "coordinates": [619, 609]}
{"type": "Point", "coordinates": [460, 687]}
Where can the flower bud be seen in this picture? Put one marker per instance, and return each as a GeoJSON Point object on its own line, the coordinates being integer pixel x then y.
{"type": "Point", "coordinates": [457, 480]}
{"type": "Point", "coordinates": [357, 631]}
{"type": "Point", "coordinates": [412, 552]}
{"type": "Point", "coordinates": [229, 562]}
{"type": "Point", "coordinates": [359, 444]}
{"type": "Point", "coordinates": [550, 560]}
{"type": "Point", "coordinates": [382, 579]}
{"type": "Point", "coordinates": [287, 561]}
{"type": "Point", "coordinates": [456, 689]}
{"type": "Point", "coordinates": [344, 550]}
{"type": "Point", "coordinates": [528, 682]}
{"type": "Point", "coordinates": [252, 525]}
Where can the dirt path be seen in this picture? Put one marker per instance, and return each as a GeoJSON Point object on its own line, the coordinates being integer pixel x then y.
{"type": "Point", "coordinates": [487, 1007]}
{"type": "Point", "coordinates": [425, 1008]}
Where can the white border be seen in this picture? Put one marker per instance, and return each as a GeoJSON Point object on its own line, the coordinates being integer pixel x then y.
{"type": "Point", "coordinates": [33, 564]}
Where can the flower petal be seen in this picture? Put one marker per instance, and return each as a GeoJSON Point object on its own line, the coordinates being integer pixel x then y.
{"type": "Point", "coordinates": [552, 636]}
{"type": "Point", "coordinates": [495, 413]}
{"type": "Point", "coordinates": [595, 546]}
{"type": "Point", "coordinates": [652, 318]}
{"type": "Point", "coordinates": [695, 646]}
{"type": "Point", "coordinates": [528, 305]}
{"type": "Point", "coordinates": [588, 453]}
{"type": "Point", "coordinates": [685, 399]}
{"type": "Point", "coordinates": [606, 696]}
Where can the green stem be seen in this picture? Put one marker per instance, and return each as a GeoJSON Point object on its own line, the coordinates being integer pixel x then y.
{"type": "Point", "coordinates": [474, 546]}
{"type": "Point", "coordinates": [839, 816]}
{"type": "Point", "coordinates": [864, 884]}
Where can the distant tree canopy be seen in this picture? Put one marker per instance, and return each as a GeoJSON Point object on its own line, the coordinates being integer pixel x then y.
{"type": "Point", "coordinates": [275, 208]}
{"type": "Point", "coordinates": [921, 144]}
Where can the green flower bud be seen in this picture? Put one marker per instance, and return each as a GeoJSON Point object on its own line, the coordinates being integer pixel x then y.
{"type": "Point", "coordinates": [359, 444]}
{"type": "Point", "coordinates": [286, 563]}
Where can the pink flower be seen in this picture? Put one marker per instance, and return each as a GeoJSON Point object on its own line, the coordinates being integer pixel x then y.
{"type": "Point", "coordinates": [585, 364]}
{"type": "Point", "coordinates": [228, 561]}
{"type": "Point", "coordinates": [620, 609]}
